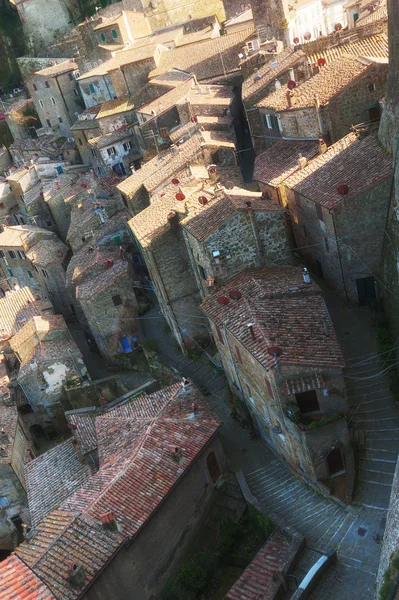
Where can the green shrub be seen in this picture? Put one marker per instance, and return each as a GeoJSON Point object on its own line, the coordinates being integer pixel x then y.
{"type": "Point", "coordinates": [208, 561]}
{"type": "Point", "coordinates": [230, 533]}
{"type": "Point", "coordinates": [151, 344]}
{"type": "Point", "coordinates": [389, 577]}
{"type": "Point", "coordinates": [172, 591]}
{"type": "Point", "coordinates": [192, 577]}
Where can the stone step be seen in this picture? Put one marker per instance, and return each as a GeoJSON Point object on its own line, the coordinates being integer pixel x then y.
{"type": "Point", "coordinates": [371, 495]}
{"type": "Point", "coordinates": [377, 413]}
{"type": "Point", "coordinates": [384, 435]}
{"type": "Point", "coordinates": [377, 466]}
{"type": "Point", "coordinates": [382, 444]}
{"type": "Point", "coordinates": [384, 479]}
{"type": "Point", "coordinates": [389, 456]}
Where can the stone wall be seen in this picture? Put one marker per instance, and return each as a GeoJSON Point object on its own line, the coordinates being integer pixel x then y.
{"type": "Point", "coordinates": [103, 90]}
{"type": "Point", "coordinates": [390, 542]}
{"type": "Point", "coordinates": [13, 491]}
{"type": "Point", "coordinates": [269, 16]}
{"type": "Point", "coordinates": [167, 535]}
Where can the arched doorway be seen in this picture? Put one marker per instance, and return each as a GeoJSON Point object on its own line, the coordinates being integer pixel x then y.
{"type": "Point", "coordinates": [213, 467]}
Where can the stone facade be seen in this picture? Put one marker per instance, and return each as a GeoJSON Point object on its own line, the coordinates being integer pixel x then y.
{"type": "Point", "coordinates": [96, 89]}
{"type": "Point", "coordinates": [390, 544]}
{"type": "Point", "coordinates": [270, 18]}
{"type": "Point", "coordinates": [332, 247]}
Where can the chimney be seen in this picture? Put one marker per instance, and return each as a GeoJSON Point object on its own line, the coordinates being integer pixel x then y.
{"type": "Point", "coordinates": [316, 101]}
{"type": "Point", "coordinates": [302, 161]}
{"type": "Point", "coordinates": [251, 330]}
{"type": "Point", "coordinates": [76, 575]}
{"type": "Point", "coordinates": [322, 146]}
{"type": "Point", "coordinates": [277, 84]}
{"type": "Point", "coordinates": [173, 220]}
{"type": "Point", "coordinates": [305, 275]}
{"type": "Point", "coordinates": [288, 95]}
{"type": "Point", "coordinates": [109, 521]}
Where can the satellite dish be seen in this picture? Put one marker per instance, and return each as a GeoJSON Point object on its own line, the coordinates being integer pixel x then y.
{"type": "Point", "coordinates": [291, 84]}
{"type": "Point", "coordinates": [203, 200]}
{"type": "Point", "coordinates": [296, 40]}
{"type": "Point", "coordinates": [343, 190]}
{"type": "Point", "coordinates": [180, 196]}
{"type": "Point", "coordinates": [235, 295]}
{"type": "Point", "coordinates": [175, 181]}
{"type": "Point", "coordinates": [307, 36]}
{"type": "Point", "coordinates": [223, 300]}
{"type": "Point", "coordinates": [194, 119]}
{"type": "Point", "coordinates": [338, 27]}
{"type": "Point", "coordinates": [275, 350]}
{"type": "Point", "coordinates": [229, 185]}
{"type": "Point", "coordinates": [321, 62]}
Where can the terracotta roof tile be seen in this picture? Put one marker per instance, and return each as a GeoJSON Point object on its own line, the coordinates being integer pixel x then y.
{"type": "Point", "coordinates": [207, 58]}
{"type": "Point", "coordinates": [286, 313]}
{"type": "Point", "coordinates": [259, 581]}
{"type": "Point", "coordinates": [108, 139]}
{"type": "Point", "coordinates": [17, 308]}
{"type": "Point", "coordinates": [18, 582]}
{"type": "Point", "coordinates": [52, 478]}
{"type": "Point", "coordinates": [359, 163]}
{"type": "Point", "coordinates": [281, 160]}
{"type": "Point", "coordinates": [266, 74]}
{"type": "Point", "coordinates": [376, 45]}
{"type": "Point", "coordinates": [94, 285]}
{"type": "Point", "coordinates": [371, 16]}
{"type": "Point", "coordinates": [331, 79]}
{"type": "Point", "coordinates": [58, 69]}
{"type": "Point", "coordinates": [169, 99]}
{"type": "Point", "coordinates": [47, 252]}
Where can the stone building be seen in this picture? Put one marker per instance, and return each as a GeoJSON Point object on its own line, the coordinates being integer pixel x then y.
{"type": "Point", "coordinates": [390, 542]}
{"type": "Point", "coordinates": [344, 93]}
{"type": "Point", "coordinates": [21, 125]}
{"type": "Point", "coordinates": [271, 19]}
{"type": "Point", "coordinates": [284, 364]}
{"type": "Point", "coordinates": [34, 257]}
{"type": "Point", "coordinates": [338, 205]}
{"type": "Point", "coordinates": [154, 484]}
{"type": "Point", "coordinates": [56, 96]}
{"type": "Point", "coordinates": [15, 451]}
{"type": "Point", "coordinates": [49, 360]}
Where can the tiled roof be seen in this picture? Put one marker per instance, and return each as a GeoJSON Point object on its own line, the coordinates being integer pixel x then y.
{"type": "Point", "coordinates": [47, 252]}
{"type": "Point", "coordinates": [331, 79]}
{"type": "Point", "coordinates": [58, 69]}
{"type": "Point", "coordinates": [94, 285]}
{"type": "Point", "coordinates": [245, 16]}
{"type": "Point", "coordinates": [39, 327]}
{"type": "Point", "coordinates": [281, 160]}
{"type": "Point", "coordinates": [85, 219]}
{"type": "Point", "coordinates": [51, 351]}
{"type": "Point", "coordinates": [270, 71]}
{"type": "Point", "coordinates": [110, 138]}
{"type": "Point", "coordinates": [285, 312]}
{"type": "Point", "coordinates": [260, 579]}
{"type": "Point", "coordinates": [17, 307]}
{"type": "Point", "coordinates": [371, 16]}
{"type": "Point", "coordinates": [8, 425]}
{"type": "Point", "coordinates": [133, 479]}
{"type": "Point", "coordinates": [52, 478]}
{"type": "Point", "coordinates": [163, 166]}
{"type": "Point", "coordinates": [83, 125]}
{"type": "Point", "coordinates": [220, 139]}
{"type": "Point", "coordinates": [359, 163]}
{"type": "Point", "coordinates": [114, 20]}
{"type": "Point", "coordinates": [113, 107]}
{"type": "Point", "coordinates": [169, 78]}
{"type": "Point", "coordinates": [18, 105]}
{"type": "Point", "coordinates": [85, 432]}
{"type": "Point", "coordinates": [168, 100]}
{"type": "Point", "coordinates": [18, 234]}
{"type": "Point", "coordinates": [88, 263]}
{"type": "Point", "coordinates": [376, 45]}
{"type": "Point", "coordinates": [207, 58]}
{"type": "Point", "coordinates": [18, 582]}
{"type": "Point", "coordinates": [123, 58]}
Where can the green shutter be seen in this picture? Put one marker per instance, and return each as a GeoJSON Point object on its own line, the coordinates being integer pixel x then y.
{"type": "Point", "coordinates": [91, 88]}
{"type": "Point", "coordinates": [102, 36]}
{"type": "Point", "coordinates": [30, 274]}
{"type": "Point", "coordinates": [11, 274]}
{"type": "Point", "coordinates": [118, 240]}
{"type": "Point", "coordinates": [114, 33]}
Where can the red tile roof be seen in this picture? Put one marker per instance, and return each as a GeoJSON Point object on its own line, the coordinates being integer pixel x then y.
{"type": "Point", "coordinates": [18, 582]}
{"type": "Point", "coordinates": [285, 313]}
{"type": "Point", "coordinates": [52, 478]}
{"type": "Point", "coordinates": [259, 580]}
{"type": "Point", "coordinates": [333, 78]}
{"type": "Point", "coordinates": [281, 160]}
{"type": "Point", "coordinates": [359, 163]}
{"type": "Point", "coordinates": [92, 286]}
{"type": "Point", "coordinates": [136, 473]}
{"type": "Point", "coordinates": [17, 307]}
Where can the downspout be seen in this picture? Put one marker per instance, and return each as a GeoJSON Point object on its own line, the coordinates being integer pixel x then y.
{"type": "Point", "coordinates": [340, 261]}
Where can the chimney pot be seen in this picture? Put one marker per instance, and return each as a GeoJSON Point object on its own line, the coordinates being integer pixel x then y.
{"type": "Point", "coordinates": [288, 95]}
{"type": "Point", "coordinates": [305, 275]}
{"type": "Point", "coordinates": [302, 161]}
{"type": "Point", "coordinates": [251, 330]}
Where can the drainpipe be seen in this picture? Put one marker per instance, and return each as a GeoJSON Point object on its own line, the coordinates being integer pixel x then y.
{"type": "Point", "coordinates": [340, 261]}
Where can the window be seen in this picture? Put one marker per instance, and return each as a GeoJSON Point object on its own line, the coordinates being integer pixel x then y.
{"type": "Point", "coordinates": [48, 122]}
{"type": "Point", "coordinates": [93, 151]}
{"type": "Point", "coordinates": [271, 121]}
{"type": "Point", "coordinates": [2, 255]}
{"type": "Point", "coordinates": [41, 103]}
{"type": "Point", "coordinates": [102, 37]}
{"type": "Point", "coordinates": [91, 88]}
{"type": "Point", "coordinates": [45, 274]}
{"type": "Point", "coordinates": [35, 87]}
{"type": "Point", "coordinates": [111, 151]}
{"type": "Point", "coordinates": [114, 33]}
{"type": "Point", "coordinates": [12, 254]}
{"type": "Point", "coordinates": [70, 76]}
{"type": "Point", "coordinates": [305, 233]}
{"type": "Point", "coordinates": [326, 245]}
{"type": "Point", "coordinates": [319, 212]}
{"type": "Point", "coordinates": [46, 83]}
{"type": "Point", "coordinates": [117, 300]}
{"type": "Point", "coordinates": [307, 401]}
{"type": "Point", "coordinates": [30, 274]}
{"type": "Point", "coordinates": [80, 142]}
{"type": "Point", "coordinates": [371, 87]}
{"type": "Point", "coordinates": [269, 387]}
{"type": "Point", "coordinates": [60, 120]}
{"type": "Point", "coordinates": [21, 254]}
{"type": "Point", "coordinates": [268, 121]}
{"type": "Point", "coordinates": [127, 146]}
{"type": "Point", "coordinates": [10, 272]}
{"type": "Point", "coordinates": [238, 354]}
{"type": "Point", "coordinates": [3, 502]}
{"type": "Point", "coordinates": [213, 467]}
{"type": "Point", "coordinates": [53, 100]}
{"type": "Point", "coordinates": [297, 198]}
{"type": "Point", "coordinates": [118, 240]}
